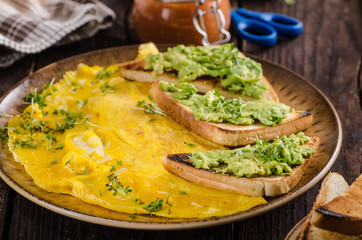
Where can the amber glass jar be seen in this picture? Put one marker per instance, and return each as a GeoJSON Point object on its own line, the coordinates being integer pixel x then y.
{"type": "Point", "coordinates": [171, 21]}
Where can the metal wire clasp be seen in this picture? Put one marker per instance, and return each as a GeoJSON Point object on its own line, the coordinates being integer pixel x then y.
{"type": "Point", "coordinates": [199, 23]}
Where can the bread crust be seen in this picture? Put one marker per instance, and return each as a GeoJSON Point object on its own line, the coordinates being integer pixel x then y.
{"type": "Point", "coordinates": [334, 187]}
{"type": "Point", "coordinates": [179, 164]}
{"type": "Point", "coordinates": [134, 70]}
{"type": "Point", "coordinates": [344, 213]}
{"type": "Point", "coordinates": [226, 133]}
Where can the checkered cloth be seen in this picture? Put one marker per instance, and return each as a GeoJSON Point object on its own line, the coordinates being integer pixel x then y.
{"type": "Point", "coordinates": [30, 26]}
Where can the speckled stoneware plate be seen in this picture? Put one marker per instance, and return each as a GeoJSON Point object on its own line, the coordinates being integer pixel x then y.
{"type": "Point", "coordinates": [292, 89]}
{"type": "Point", "coordinates": [296, 230]}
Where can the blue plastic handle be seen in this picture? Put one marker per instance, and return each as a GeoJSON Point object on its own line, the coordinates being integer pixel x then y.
{"type": "Point", "coordinates": [255, 31]}
{"type": "Point", "coordinates": [286, 26]}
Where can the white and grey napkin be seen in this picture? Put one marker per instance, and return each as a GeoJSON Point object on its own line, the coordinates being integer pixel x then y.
{"type": "Point", "coordinates": [30, 26]}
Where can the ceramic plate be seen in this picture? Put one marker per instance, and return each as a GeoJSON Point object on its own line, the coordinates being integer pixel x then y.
{"type": "Point", "coordinates": [296, 230]}
{"type": "Point", "coordinates": [292, 89]}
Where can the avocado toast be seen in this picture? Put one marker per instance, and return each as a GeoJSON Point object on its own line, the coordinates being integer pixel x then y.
{"type": "Point", "coordinates": [223, 67]}
{"type": "Point", "coordinates": [259, 170]}
{"type": "Point", "coordinates": [242, 128]}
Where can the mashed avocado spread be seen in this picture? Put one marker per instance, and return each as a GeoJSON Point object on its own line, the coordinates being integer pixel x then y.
{"type": "Point", "coordinates": [262, 159]}
{"type": "Point", "coordinates": [239, 74]}
{"type": "Point", "coordinates": [212, 107]}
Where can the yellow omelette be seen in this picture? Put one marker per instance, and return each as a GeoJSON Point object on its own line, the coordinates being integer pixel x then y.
{"type": "Point", "coordinates": [99, 138]}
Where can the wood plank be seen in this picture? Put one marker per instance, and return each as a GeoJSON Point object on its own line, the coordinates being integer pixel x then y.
{"type": "Point", "coordinates": [6, 208]}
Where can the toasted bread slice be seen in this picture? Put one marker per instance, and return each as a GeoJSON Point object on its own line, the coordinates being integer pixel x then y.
{"type": "Point", "coordinates": [333, 186]}
{"type": "Point", "coordinates": [180, 165]}
{"type": "Point", "coordinates": [134, 70]}
{"type": "Point", "coordinates": [226, 133]}
{"type": "Point", "coordinates": [344, 213]}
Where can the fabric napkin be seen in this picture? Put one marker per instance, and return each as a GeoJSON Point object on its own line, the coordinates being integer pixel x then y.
{"type": "Point", "coordinates": [30, 26]}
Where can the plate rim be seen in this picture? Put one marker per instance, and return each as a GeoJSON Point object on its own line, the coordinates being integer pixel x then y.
{"type": "Point", "coordinates": [202, 223]}
{"type": "Point", "coordinates": [297, 229]}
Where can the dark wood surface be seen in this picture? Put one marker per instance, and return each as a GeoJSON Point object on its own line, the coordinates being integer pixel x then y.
{"type": "Point", "coordinates": [328, 53]}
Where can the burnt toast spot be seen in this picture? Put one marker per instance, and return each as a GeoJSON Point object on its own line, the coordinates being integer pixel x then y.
{"type": "Point", "coordinates": [306, 113]}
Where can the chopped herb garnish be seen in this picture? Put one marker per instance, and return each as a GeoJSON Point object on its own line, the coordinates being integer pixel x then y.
{"type": "Point", "coordinates": [113, 184]}
{"type": "Point", "coordinates": [28, 143]}
{"type": "Point", "coordinates": [156, 205]}
{"type": "Point", "coordinates": [54, 161]}
{"type": "Point", "coordinates": [135, 215]}
{"type": "Point", "coordinates": [51, 140]}
{"type": "Point", "coordinates": [81, 103]}
{"type": "Point", "coordinates": [86, 172]}
{"type": "Point", "coordinates": [113, 168]}
{"type": "Point", "coordinates": [106, 88]}
{"type": "Point", "coordinates": [190, 144]}
{"type": "Point", "coordinates": [60, 146]}
{"type": "Point", "coordinates": [103, 72]}
{"type": "Point", "coordinates": [4, 134]}
{"type": "Point", "coordinates": [149, 108]}
{"type": "Point", "coordinates": [36, 97]}
{"type": "Point", "coordinates": [182, 192]}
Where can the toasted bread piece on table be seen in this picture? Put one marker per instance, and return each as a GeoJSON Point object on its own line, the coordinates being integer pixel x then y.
{"type": "Point", "coordinates": [333, 186]}
{"type": "Point", "coordinates": [226, 133]}
{"type": "Point", "coordinates": [344, 213]}
{"type": "Point", "coordinates": [134, 70]}
{"type": "Point", "coordinates": [180, 165]}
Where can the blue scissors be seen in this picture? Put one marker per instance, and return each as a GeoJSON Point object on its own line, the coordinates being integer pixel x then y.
{"type": "Point", "coordinates": [264, 28]}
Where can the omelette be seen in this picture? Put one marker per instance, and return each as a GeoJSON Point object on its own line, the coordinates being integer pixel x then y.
{"type": "Point", "coordinates": [100, 138]}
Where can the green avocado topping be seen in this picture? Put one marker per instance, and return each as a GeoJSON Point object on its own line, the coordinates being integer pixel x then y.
{"type": "Point", "coordinates": [212, 107]}
{"type": "Point", "coordinates": [238, 74]}
{"type": "Point", "coordinates": [262, 159]}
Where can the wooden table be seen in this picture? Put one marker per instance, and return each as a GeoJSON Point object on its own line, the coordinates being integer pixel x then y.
{"type": "Point", "coordinates": [328, 53]}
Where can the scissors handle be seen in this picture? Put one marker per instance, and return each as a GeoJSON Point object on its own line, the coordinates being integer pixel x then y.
{"type": "Point", "coordinates": [255, 31]}
{"type": "Point", "coordinates": [286, 26]}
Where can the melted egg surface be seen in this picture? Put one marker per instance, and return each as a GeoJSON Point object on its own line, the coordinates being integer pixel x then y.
{"type": "Point", "coordinates": [97, 137]}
